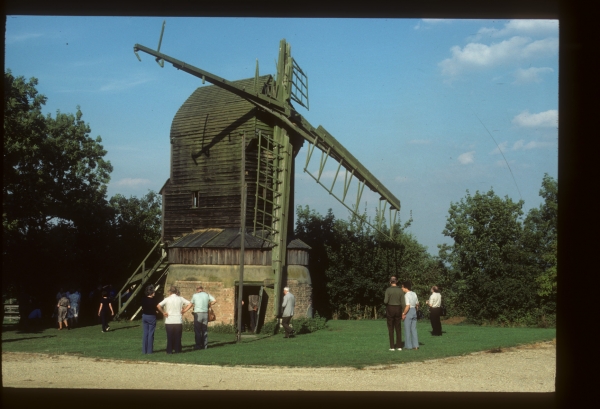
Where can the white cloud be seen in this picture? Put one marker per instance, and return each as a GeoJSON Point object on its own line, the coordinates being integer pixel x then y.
{"type": "Point", "coordinates": [478, 55]}
{"type": "Point", "coordinates": [426, 23]}
{"type": "Point", "coordinates": [17, 38]}
{"type": "Point", "coordinates": [130, 182]}
{"type": "Point", "coordinates": [529, 75]}
{"type": "Point", "coordinates": [522, 27]}
{"type": "Point", "coordinates": [521, 145]}
{"type": "Point", "coordinates": [466, 158]}
{"type": "Point", "coordinates": [500, 148]}
{"type": "Point", "coordinates": [543, 119]}
{"type": "Point", "coordinates": [121, 84]}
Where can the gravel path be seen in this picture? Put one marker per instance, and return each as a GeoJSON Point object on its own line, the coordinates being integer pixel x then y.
{"type": "Point", "coordinates": [530, 368]}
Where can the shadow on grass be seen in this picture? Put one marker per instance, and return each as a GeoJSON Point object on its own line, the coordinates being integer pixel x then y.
{"type": "Point", "coordinates": [215, 344]}
{"type": "Point", "coordinates": [25, 339]}
{"type": "Point", "coordinates": [128, 327]}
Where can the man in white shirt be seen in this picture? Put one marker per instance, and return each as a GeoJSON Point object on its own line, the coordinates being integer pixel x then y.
{"type": "Point", "coordinates": [201, 301]}
{"type": "Point", "coordinates": [173, 311]}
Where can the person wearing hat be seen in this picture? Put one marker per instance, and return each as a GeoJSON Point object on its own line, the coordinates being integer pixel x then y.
{"type": "Point", "coordinates": [394, 305]}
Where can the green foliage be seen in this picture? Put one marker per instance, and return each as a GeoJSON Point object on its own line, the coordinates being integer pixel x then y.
{"type": "Point", "coordinates": [494, 280]}
{"type": "Point", "coordinates": [135, 225]}
{"type": "Point", "coordinates": [306, 325]}
{"type": "Point", "coordinates": [58, 227]}
{"type": "Point", "coordinates": [222, 329]}
{"type": "Point", "coordinates": [353, 264]}
{"type": "Point", "coordinates": [188, 326]}
{"type": "Point", "coordinates": [54, 187]}
{"type": "Point", "coordinates": [269, 327]}
{"type": "Point", "coordinates": [541, 240]}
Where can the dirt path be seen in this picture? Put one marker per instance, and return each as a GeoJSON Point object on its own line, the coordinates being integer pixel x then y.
{"type": "Point", "coordinates": [530, 368]}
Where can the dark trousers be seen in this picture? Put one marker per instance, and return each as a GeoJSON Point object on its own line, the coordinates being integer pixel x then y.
{"type": "Point", "coordinates": [149, 325]}
{"type": "Point", "coordinates": [394, 318]}
{"type": "Point", "coordinates": [285, 321]}
{"type": "Point", "coordinates": [104, 318]}
{"type": "Point", "coordinates": [435, 318]}
{"type": "Point", "coordinates": [201, 330]}
{"type": "Point", "coordinates": [174, 332]}
{"type": "Point", "coordinates": [252, 320]}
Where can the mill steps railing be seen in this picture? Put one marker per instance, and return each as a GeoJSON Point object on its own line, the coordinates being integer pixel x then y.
{"type": "Point", "coordinates": [140, 278]}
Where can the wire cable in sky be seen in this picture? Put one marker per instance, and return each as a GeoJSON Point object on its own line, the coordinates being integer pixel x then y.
{"type": "Point", "coordinates": [502, 153]}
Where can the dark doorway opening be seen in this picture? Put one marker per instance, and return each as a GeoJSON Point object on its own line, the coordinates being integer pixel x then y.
{"type": "Point", "coordinates": [251, 289]}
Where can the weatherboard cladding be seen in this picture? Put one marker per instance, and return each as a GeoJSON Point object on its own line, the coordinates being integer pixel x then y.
{"type": "Point", "coordinates": [222, 246]}
{"type": "Point", "coordinates": [206, 158]}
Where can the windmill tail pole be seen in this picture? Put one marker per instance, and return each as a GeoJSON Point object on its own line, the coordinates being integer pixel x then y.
{"type": "Point", "coordinates": [242, 237]}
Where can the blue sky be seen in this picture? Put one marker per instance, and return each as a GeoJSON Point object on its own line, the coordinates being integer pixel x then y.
{"type": "Point", "coordinates": [432, 108]}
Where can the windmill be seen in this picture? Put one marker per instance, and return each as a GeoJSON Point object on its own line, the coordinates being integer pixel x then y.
{"type": "Point", "coordinates": [250, 128]}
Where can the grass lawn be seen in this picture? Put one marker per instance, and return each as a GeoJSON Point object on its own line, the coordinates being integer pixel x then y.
{"type": "Point", "coordinates": [342, 343]}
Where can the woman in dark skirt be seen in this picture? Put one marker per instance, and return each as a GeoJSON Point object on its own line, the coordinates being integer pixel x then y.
{"type": "Point", "coordinates": [148, 320]}
{"type": "Point", "coordinates": [435, 311]}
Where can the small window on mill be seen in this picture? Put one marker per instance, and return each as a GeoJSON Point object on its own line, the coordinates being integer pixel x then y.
{"type": "Point", "coordinates": [195, 199]}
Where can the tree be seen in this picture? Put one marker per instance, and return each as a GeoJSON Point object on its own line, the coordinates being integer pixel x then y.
{"type": "Point", "coordinates": [317, 231]}
{"type": "Point", "coordinates": [351, 263]}
{"type": "Point", "coordinates": [136, 225]}
{"type": "Point", "coordinates": [541, 239]}
{"type": "Point", "coordinates": [55, 212]}
{"type": "Point", "coordinates": [489, 266]}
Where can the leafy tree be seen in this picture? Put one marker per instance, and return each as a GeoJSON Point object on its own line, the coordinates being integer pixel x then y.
{"type": "Point", "coordinates": [54, 172]}
{"type": "Point", "coordinates": [491, 274]}
{"type": "Point", "coordinates": [351, 264]}
{"type": "Point", "coordinates": [54, 185]}
{"type": "Point", "coordinates": [136, 226]}
{"type": "Point", "coordinates": [541, 239]}
{"type": "Point", "coordinates": [318, 232]}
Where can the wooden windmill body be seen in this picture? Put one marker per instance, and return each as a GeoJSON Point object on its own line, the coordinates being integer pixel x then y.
{"type": "Point", "coordinates": [233, 146]}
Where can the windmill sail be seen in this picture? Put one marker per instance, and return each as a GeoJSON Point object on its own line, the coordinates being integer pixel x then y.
{"type": "Point", "coordinates": [294, 123]}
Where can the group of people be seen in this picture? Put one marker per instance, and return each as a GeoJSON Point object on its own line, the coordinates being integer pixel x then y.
{"type": "Point", "coordinates": [67, 308]}
{"type": "Point", "coordinates": [173, 307]}
{"type": "Point", "coordinates": [402, 305]}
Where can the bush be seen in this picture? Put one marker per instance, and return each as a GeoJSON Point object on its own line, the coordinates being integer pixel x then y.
{"type": "Point", "coordinates": [308, 325]}
{"type": "Point", "coordinates": [300, 325]}
{"type": "Point", "coordinates": [217, 328]}
{"type": "Point", "coordinates": [223, 329]}
{"type": "Point", "coordinates": [269, 327]}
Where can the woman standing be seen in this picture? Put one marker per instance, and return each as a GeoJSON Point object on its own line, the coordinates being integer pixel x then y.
{"type": "Point", "coordinates": [105, 305]}
{"type": "Point", "coordinates": [148, 320]}
{"type": "Point", "coordinates": [435, 311]}
{"type": "Point", "coordinates": [63, 306]}
{"type": "Point", "coordinates": [410, 317]}
{"type": "Point", "coordinates": [173, 306]}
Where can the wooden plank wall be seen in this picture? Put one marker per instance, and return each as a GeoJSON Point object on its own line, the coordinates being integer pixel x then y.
{"type": "Point", "coordinates": [206, 157]}
{"type": "Point", "coordinates": [212, 256]}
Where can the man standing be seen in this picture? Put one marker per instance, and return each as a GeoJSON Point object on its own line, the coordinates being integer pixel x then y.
{"type": "Point", "coordinates": [289, 301]}
{"type": "Point", "coordinates": [201, 302]}
{"type": "Point", "coordinates": [173, 318]}
{"type": "Point", "coordinates": [252, 310]}
{"type": "Point", "coordinates": [394, 301]}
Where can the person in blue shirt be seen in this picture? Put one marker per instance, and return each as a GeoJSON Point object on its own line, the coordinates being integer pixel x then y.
{"type": "Point", "coordinates": [201, 301]}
